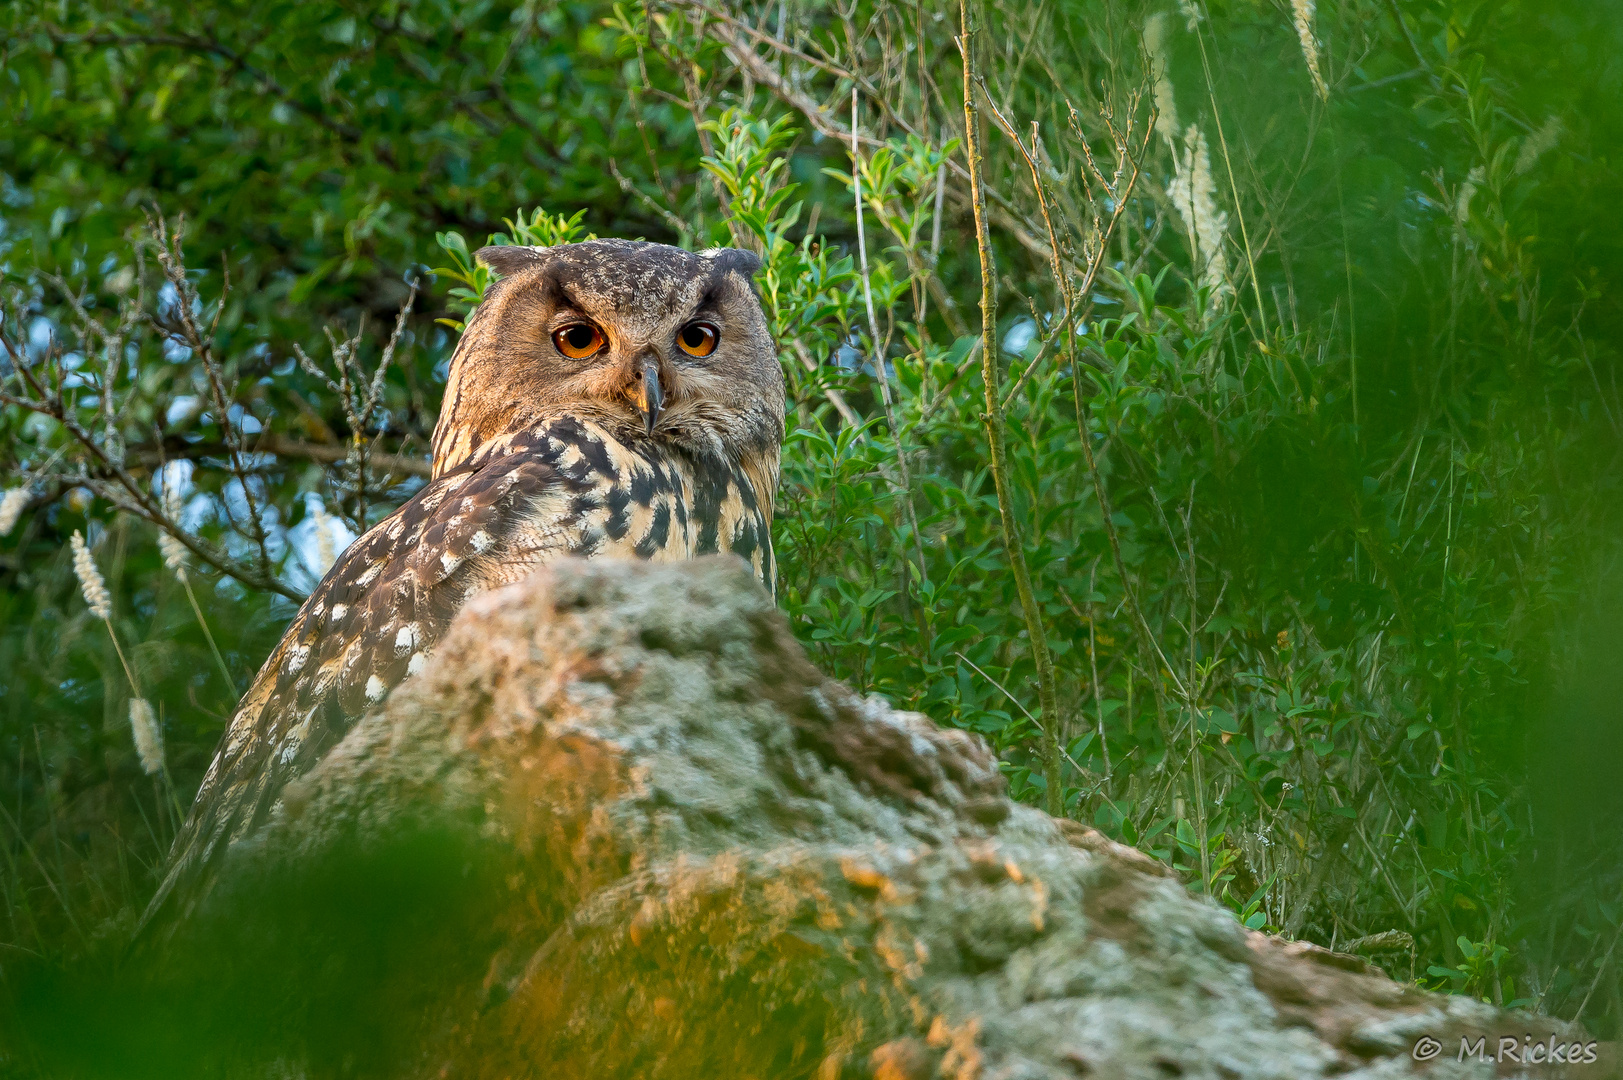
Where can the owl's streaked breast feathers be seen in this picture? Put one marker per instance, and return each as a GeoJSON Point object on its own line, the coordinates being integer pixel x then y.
{"type": "Point", "coordinates": [520, 480]}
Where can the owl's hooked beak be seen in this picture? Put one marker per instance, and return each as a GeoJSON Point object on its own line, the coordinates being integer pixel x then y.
{"type": "Point", "coordinates": [647, 395]}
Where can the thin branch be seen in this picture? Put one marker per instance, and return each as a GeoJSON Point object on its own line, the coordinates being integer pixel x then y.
{"type": "Point", "coordinates": [1047, 691]}
{"type": "Point", "coordinates": [1120, 196]}
{"type": "Point", "coordinates": [171, 259]}
{"type": "Point", "coordinates": [1007, 221]}
{"type": "Point", "coordinates": [127, 494]}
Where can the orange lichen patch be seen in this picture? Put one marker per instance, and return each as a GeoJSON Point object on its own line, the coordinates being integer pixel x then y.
{"type": "Point", "coordinates": [643, 923]}
{"type": "Point", "coordinates": [901, 1059]}
{"type": "Point", "coordinates": [906, 961]}
{"type": "Point", "coordinates": [862, 876]}
{"type": "Point", "coordinates": [555, 803]}
{"type": "Point", "coordinates": [725, 949]}
{"type": "Point", "coordinates": [962, 1060]}
{"type": "Point", "coordinates": [828, 918]}
{"type": "Point", "coordinates": [920, 1012]}
{"type": "Point", "coordinates": [1039, 904]}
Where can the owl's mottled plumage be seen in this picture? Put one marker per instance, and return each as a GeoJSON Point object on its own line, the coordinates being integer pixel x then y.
{"type": "Point", "coordinates": [640, 451]}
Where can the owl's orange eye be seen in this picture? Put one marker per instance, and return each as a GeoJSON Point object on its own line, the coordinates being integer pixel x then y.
{"type": "Point", "coordinates": [579, 340]}
{"type": "Point", "coordinates": [698, 339]}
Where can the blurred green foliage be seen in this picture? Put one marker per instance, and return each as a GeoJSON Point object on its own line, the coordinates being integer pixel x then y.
{"type": "Point", "coordinates": [1365, 487]}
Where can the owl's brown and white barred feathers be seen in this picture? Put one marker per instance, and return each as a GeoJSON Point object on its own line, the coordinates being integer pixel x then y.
{"type": "Point", "coordinates": [608, 399]}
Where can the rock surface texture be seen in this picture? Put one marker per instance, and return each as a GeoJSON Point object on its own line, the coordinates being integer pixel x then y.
{"type": "Point", "coordinates": [671, 848]}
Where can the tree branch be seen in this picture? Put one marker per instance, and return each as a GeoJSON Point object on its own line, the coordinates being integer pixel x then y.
{"type": "Point", "coordinates": [1047, 691]}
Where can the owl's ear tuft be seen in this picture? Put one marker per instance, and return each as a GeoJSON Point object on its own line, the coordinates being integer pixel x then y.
{"type": "Point", "coordinates": [744, 262]}
{"type": "Point", "coordinates": [508, 259]}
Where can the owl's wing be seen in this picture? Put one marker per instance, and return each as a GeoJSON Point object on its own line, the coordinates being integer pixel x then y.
{"type": "Point", "coordinates": [366, 627]}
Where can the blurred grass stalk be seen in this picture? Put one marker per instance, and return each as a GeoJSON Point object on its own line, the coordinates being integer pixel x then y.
{"type": "Point", "coordinates": [174, 557]}
{"type": "Point", "coordinates": [145, 732]}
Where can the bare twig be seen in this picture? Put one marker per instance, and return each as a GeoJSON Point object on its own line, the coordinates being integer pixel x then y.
{"type": "Point", "coordinates": [359, 396]}
{"type": "Point", "coordinates": [1047, 691]}
{"type": "Point", "coordinates": [1120, 189]}
{"type": "Point", "coordinates": [329, 453]}
{"type": "Point", "coordinates": [114, 483]}
{"type": "Point", "coordinates": [172, 259]}
{"type": "Point", "coordinates": [1009, 223]}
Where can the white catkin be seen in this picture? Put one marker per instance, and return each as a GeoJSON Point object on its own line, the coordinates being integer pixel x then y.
{"type": "Point", "coordinates": [324, 545]}
{"type": "Point", "coordinates": [1166, 106]}
{"type": "Point", "coordinates": [11, 508]}
{"type": "Point", "coordinates": [90, 579]}
{"type": "Point", "coordinates": [148, 738]}
{"type": "Point", "coordinates": [1191, 13]}
{"type": "Point", "coordinates": [1535, 146]}
{"type": "Point", "coordinates": [174, 552]}
{"type": "Point", "coordinates": [1302, 16]}
{"type": "Point", "coordinates": [1194, 193]}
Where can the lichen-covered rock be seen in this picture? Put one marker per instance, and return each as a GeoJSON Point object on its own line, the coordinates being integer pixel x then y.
{"type": "Point", "coordinates": [619, 826]}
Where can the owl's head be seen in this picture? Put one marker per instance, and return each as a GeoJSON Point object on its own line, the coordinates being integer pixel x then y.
{"type": "Point", "coordinates": [647, 340]}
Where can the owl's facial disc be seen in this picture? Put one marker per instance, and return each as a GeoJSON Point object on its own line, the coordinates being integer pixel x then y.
{"type": "Point", "coordinates": [648, 372]}
{"type": "Point", "coordinates": [649, 341]}
{"type": "Point", "coordinates": [637, 379]}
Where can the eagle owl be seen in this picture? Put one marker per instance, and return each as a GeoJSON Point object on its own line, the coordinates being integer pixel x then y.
{"type": "Point", "coordinates": [608, 398]}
